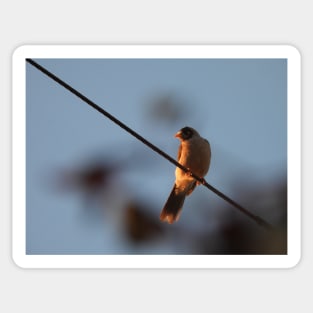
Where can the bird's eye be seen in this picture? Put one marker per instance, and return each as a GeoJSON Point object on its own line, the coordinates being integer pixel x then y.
{"type": "Point", "coordinates": [187, 132]}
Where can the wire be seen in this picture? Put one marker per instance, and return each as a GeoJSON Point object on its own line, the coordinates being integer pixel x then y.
{"type": "Point", "coordinates": [254, 217]}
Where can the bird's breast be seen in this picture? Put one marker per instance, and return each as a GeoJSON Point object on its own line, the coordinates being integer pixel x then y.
{"type": "Point", "coordinates": [196, 156]}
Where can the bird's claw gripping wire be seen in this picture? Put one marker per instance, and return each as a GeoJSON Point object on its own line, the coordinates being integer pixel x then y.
{"type": "Point", "coordinates": [189, 172]}
{"type": "Point", "coordinates": [202, 181]}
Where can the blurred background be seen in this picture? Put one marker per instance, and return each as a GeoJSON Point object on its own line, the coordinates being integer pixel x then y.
{"type": "Point", "coordinates": [91, 188]}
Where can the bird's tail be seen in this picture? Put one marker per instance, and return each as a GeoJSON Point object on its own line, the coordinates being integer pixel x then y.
{"type": "Point", "coordinates": [173, 206]}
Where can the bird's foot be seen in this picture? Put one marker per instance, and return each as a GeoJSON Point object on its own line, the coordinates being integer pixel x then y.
{"type": "Point", "coordinates": [201, 182]}
{"type": "Point", "coordinates": [189, 172]}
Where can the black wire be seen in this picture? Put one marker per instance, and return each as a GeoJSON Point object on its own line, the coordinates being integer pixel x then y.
{"type": "Point", "coordinates": [256, 218]}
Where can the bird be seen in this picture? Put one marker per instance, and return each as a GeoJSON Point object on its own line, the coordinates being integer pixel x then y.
{"type": "Point", "coordinates": [194, 153]}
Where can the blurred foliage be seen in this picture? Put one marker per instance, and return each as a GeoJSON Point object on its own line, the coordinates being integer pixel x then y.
{"type": "Point", "coordinates": [204, 228]}
{"type": "Point", "coordinates": [166, 107]}
{"type": "Point", "coordinates": [140, 224]}
{"type": "Point", "coordinates": [222, 230]}
{"type": "Point", "coordinates": [91, 179]}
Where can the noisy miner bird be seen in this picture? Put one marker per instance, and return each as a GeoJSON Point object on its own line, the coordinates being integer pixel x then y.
{"type": "Point", "coordinates": [195, 154]}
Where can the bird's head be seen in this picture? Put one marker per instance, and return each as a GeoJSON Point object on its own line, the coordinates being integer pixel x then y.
{"type": "Point", "coordinates": [186, 133]}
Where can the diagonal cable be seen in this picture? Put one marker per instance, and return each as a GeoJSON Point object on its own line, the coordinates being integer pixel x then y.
{"type": "Point", "coordinates": [254, 217]}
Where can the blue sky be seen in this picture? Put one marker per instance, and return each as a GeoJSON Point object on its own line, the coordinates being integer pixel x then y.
{"type": "Point", "coordinates": [239, 105]}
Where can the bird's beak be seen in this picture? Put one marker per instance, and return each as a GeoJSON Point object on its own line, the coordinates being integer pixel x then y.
{"type": "Point", "coordinates": [178, 134]}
